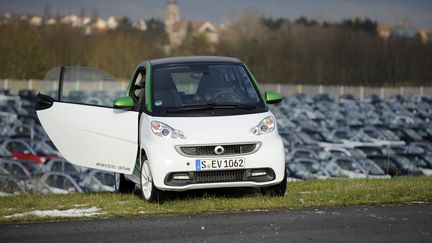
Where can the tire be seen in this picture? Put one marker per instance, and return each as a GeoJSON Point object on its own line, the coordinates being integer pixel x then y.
{"type": "Point", "coordinates": [148, 190]}
{"type": "Point", "coordinates": [277, 190]}
{"type": "Point", "coordinates": [122, 185]}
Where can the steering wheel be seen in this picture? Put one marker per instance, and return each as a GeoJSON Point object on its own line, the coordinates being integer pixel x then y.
{"type": "Point", "coordinates": [225, 94]}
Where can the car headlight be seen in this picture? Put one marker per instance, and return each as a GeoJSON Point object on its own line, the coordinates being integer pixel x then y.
{"type": "Point", "coordinates": [267, 125]}
{"type": "Point", "coordinates": [163, 130]}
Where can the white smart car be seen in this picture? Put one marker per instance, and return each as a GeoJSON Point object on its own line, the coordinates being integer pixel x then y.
{"type": "Point", "coordinates": [184, 123]}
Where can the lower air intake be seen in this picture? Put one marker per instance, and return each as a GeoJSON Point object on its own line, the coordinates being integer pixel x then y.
{"type": "Point", "coordinates": [219, 176]}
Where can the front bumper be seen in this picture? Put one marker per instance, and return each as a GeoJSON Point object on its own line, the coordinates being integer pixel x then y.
{"type": "Point", "coordinates": [165, 162]}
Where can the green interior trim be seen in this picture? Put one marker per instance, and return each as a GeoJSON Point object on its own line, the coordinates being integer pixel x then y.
{"type": "Point", "coordinates": [128, 92]}
{"type": "Point", "coordinates": [148, 87]}
{"type": "Point", "coordinates": [255, 84]}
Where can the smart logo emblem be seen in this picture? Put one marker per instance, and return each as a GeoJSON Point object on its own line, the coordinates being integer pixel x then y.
{"type": "Point", "coordinates": [219, 150]}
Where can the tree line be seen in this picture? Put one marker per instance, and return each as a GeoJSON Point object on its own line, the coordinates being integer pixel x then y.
{"type": "Point", "coordinates": [277, 50]}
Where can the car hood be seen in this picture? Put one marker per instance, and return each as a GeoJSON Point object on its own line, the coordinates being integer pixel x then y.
{"type": "Point", "coordinates": [215, 128]}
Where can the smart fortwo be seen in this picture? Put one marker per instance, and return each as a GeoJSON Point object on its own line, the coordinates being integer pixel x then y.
{"type": "Point", "coordinates": [184, 123]}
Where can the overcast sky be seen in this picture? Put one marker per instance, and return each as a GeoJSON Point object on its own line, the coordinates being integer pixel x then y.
{"type": "Point", "coordinates": [417, 12]}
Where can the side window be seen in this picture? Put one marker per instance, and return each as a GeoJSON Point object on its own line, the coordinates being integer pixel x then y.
{"type": "Point", "coordinates": [69, 169]}
{"type": "Point", "coordinates": [82, 85]}
{"type": "Point", "coordinates": [57, 166]}
{"type": "Point", "coordinates": [337, 153]}
{"type": "Point", "coordinates": [138, 85]}
{"type": "Point", "coordinates": [16, 147]}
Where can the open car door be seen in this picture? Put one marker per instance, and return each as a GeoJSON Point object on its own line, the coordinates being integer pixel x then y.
{"type": "Point", "coordinates": [75, 108]}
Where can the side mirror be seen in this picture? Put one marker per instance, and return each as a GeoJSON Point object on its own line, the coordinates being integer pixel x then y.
{"type": "Point", "coordinates": [125, 103]}
{"type": "Point", "coordinates": [272, 97]}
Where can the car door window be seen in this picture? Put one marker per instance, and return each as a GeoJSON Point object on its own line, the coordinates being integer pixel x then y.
{"type": "Point", "coordinates": [70, 169]}
{"type": "Point", "coordinates": [62, 182]}
{"type": "Point", "coordinates": [138, 84]}
{"type": "Point", "coordinates": [57, 166]}
{"type": "Point", "coordinates": [82, 85]}
{"type": "Point", "coordinates": [17, 147]}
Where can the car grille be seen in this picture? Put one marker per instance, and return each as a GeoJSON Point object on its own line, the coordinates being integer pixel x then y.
{"type": "Point", "coordinates": [230, 149]}
{"type": "Point", "coordinates": [219, 176]}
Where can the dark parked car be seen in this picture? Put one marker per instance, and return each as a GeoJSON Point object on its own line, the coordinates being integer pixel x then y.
{"type": "Point", "coordinates": [396, 165]}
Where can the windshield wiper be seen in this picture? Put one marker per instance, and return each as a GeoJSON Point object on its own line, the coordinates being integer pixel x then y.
{"type": "Point", "coordinates": [210, 106]}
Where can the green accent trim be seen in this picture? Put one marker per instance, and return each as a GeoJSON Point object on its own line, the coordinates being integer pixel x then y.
{"type": "Point", "coordinates": [272, 97]}
{"type": "Point", "coordinates": [148, 87]}
{"type": "Point", "coordinates": [137, 168]}
{"type": "Point", "coordinates": [254, 83]}
{"type": "Point", "coordinates": [128, 91]}
{"type": "Point", "coordinates": [125, 102]}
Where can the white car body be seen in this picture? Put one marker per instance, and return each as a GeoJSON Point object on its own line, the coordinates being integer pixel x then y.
{"type": "Point", "coordinates": [114, 140]}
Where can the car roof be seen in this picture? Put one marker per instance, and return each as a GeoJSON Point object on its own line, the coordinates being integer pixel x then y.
{"type": "Point", "coordinates": [191, 59]}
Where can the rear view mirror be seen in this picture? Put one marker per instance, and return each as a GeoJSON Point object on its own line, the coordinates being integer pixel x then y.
{"type": "Point", "coordinates": [125, 103]}
{"type": "Point", "coordinates": [272, 97]}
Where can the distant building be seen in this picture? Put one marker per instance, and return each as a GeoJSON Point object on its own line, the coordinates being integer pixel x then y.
{"type": "Point", "coordinates": [99, 26]}
{"type": "Point", "coordinates": [112, 22]}
{"type": "Point", "coordinates": [36, 21]}
{"type": "Point", "coordinates": [178, 30]}
{"type": "Point", "coordinates": [403, 30]}
{"type": "Point", "coordinates": [424, 35]}
{"type": "Point", "coordinates": [384, 31]}
{"type": "Point", "coordinates": [51, 21]}
{"type": "Point", "coordinates": [140, 25]}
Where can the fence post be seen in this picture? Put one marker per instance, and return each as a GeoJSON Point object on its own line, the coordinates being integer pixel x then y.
{"type": "Point", "coordinates": [77, 85]}
{"type": "Point", "coordinates": [421, 90]}
{"type": "Point", "coordinates": [278, 88]}
{"type": "Point", "coordinates": [361, 93]}
{"type": "Point", "coordinates": [123, 85]}
{"type": "Point", "coordinates": [100, 86]}
{"type": "Point", "coordinates": [6, 84]}
{"type": "Point", "coordinates": [320, 89]}
{"type": "Point", "coordinates": [30, 84]}
{"type": "Point", "coordinates": [382, 93]}
{"type": "Point", "coordinates": [401, 90]}
{"type": "Point", "coordinates": [342, 90]}
{"type": "Point", "coordinates": [299, 88]}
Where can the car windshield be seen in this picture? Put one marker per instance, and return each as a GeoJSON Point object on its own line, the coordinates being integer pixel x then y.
{"type": "Point", "coordinates": [348, 165]}
{"type": "Point", "coordinates": [372, 168]}
{"type": "Point", "coordinates": [4, 153]}
{"type": "Point", "coordinates": [316, 135]}
{"type": "Point", "coordinates": [314, 168]}
{"type": "Point", "coordinates": [306, 138]}
{"type": "Point", "coordinates": [300, 171]}
{"type": "Point", "coordinates": [406, 164]}
{"type": "Point", "coordinates": [41, 149]}
{"type": "Point", "coordinates": [204, 89]}
{"type": "Point", "coordinates": [105, 178]}
{"type": "Point", "coordinates": [371, 150]}
{"type": "Point", "coordinates": [355, 153]}
{"type": "Point", "coordinates": [389, 134]}
{"type": "Point", "coordinates": [334, 169]}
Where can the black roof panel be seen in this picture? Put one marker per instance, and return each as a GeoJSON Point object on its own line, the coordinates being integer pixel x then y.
{"type": "Point", "coordinates": [189, 59]}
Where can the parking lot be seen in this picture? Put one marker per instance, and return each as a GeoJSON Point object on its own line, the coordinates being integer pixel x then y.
{"type": "Point", "coordinates": [324, 138]}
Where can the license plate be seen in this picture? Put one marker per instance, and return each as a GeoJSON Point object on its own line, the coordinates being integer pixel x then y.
{"type": "Point", "coordinates": [219, 164]}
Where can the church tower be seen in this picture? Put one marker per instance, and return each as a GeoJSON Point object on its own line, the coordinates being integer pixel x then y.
{"type": "Point", "coordinates": [172, 15]}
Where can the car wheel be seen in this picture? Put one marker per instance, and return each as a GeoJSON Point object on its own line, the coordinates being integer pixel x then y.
{"type": "Point", "coordinates": [122, 185]}
{"type": "Point", "coordinates": [277, 190]}
{"type": "Point", "coordinates": [148, 191]}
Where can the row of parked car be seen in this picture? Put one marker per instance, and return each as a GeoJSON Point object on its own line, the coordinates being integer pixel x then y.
{"type": "Point", "coordinates": [348, 138]}
{"type": "Point", "coordinates": [29, 161]}
{"type": "Point", "coordinates": [324, 138]}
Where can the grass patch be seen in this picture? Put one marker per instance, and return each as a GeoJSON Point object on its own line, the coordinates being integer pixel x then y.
{"type": "Point", "coordinates": [328, 193]}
